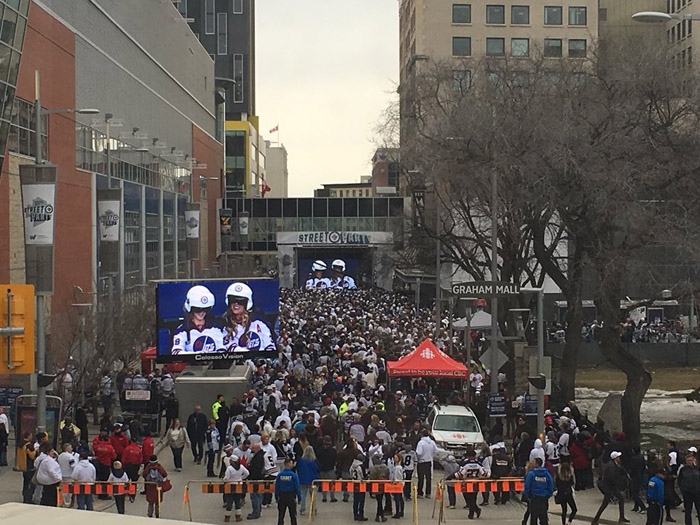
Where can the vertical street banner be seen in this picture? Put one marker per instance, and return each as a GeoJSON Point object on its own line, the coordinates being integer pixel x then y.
{"type": "Point", "coordinates": [109, 213]}
{"type": "Point", "coordinates": [38, 183]}
{"type": "Point", "coordinates": [38, 201]}
{"type": "Point", "coordinates": [110, 221]}
{"type": "Point", "coordinates": [243, 220]}
{"type": "Point", "coordinates": [192, 224]}
{"type": "Point", "coordinates": [225, 221]}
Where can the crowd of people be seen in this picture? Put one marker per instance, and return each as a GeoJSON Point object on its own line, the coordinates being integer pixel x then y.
{"type": "Point", "coordinates": [322, 410]}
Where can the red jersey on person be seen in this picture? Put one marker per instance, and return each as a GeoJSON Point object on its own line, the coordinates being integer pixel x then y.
{"type": "Point", "coordinates": [147, 448]}
{"type": "Point", "coordinates": [104, 452]}
{"type": "Point", "coordinates": [119, 441]}
{"type": "Point", "coordinates": [132, 455]}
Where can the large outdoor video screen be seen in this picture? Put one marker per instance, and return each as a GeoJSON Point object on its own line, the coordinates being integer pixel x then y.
{"type": "Point", "coordinates": [352, 269]}
{"type": "Point", "coordinates": [219, 320]}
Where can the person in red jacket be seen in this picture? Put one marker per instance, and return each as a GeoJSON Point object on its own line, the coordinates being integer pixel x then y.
{"type": "Point", "coordinates": [132, 459]}
{"type": "Point", "coordinates": [105, 454]}
{"type": "Point", "coordinates": [581, 455]}
{"type": "Point", "coordinates": [154, 474]}
{"type": "Point", "coordinates": [147, 447]}
{"type": "Point", "coordinates": [118, 440]}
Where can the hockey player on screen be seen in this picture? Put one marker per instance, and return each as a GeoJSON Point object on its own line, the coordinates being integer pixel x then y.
{"type": "Point", "coordinates": [317, 280]}
{"type": "Point", "coordinates": [198, 333]}
{"type": "Point", "coordinates": [242, 332]}
{"type": "Point", "coordinates": [339, 279]}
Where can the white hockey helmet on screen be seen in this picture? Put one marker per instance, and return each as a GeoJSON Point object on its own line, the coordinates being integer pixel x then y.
{"type": "Point", "coordinates": [319, 266]}
{"type": "Point", "coordinates": [241, 290]}
{"type": "Point", "coordinates": [199, 297]}
{"type": "Point", "coordinates": [338, 264]}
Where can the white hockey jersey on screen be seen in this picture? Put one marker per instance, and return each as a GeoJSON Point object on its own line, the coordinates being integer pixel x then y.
{"type": "Point", "coordinates": [322, 283]}
{"type": "Point", "coordinates": [345, 281]}
{"type": "Point", "coordinates": [258, 337]}
{"type": "Point", "coordinates": [191, 340]}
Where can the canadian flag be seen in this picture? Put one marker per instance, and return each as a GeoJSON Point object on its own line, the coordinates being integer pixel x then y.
{"type": "Point", "coordinates": [265, 188]}
{"type": "Point", "coordinates": [275, 129]}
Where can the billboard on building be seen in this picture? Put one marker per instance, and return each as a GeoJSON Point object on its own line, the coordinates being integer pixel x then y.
{"type": "Point", "coordinates": [217, 320]}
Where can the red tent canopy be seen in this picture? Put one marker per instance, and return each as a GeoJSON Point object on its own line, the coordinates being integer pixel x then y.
{"type": "Point", "coordinates": [427, 361]}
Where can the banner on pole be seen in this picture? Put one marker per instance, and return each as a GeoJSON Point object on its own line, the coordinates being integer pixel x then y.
{"type": "Point", "coordinates": [38, 202]}
{"type": "Point", "coordinates": [192, 224]}
{"type": "Point", "coordinates": [109, 213]}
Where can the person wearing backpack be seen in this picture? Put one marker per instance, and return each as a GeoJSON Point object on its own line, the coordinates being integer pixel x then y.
{"type": "Point", "coordinates": [154, 474]}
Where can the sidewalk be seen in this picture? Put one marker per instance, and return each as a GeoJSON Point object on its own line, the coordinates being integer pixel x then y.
{"type": "Point", "coordinates": [207, 508]}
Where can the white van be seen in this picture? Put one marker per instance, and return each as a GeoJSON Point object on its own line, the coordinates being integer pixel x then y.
{"type": "Point", "coordinates": [454, 428]}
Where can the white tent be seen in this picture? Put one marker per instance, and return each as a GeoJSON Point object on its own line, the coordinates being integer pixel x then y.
{"type": "Point", "coordinates": [479, 321]}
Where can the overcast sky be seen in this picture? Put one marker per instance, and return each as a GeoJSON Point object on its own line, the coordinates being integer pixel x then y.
{"type": "Point", "coordinates": [325, 72]}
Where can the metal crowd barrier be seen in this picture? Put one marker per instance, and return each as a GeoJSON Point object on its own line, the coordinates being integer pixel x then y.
{"type": "Point", "coordinates": [105, 488]}
{"type": "Point", "coordinates": [375, 487]}
{"type": "Point", "coordinates": [470, 486]}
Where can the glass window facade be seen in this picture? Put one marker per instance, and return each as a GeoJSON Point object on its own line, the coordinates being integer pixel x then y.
{"type": "Point", "coordinates": [22, 135]}
{"type": "Point", "coordinates": [126, 163]}
{"type": "Point", "coordinates": [13, 23]}
{"type": "Point", "coordinates": [269, 216]}
{"type": "Point", "coordinates": [461, 13]}
{"type": "Point", "coordinates": [461, 46]}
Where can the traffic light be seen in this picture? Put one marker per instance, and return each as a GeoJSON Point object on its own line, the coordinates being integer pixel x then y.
{"type": "Point", "coordinates": [16, 313]}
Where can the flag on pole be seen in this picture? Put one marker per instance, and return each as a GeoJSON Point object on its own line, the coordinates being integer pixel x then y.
{"type": "Point", "coordinates": [276, 128]}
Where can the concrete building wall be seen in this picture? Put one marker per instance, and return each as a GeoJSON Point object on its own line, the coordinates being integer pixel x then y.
{"type": "Point", "coordinates": [50, 49]}
{"type": "Point", "coordinates": [426, 29]}
{"type": "Point", "coordinates": [211, 153]}
{"type": "Point", "coordinates": [138, 70]}
{"type": "Point", "coordinates": [616, 19]}
{"type": "Point", "coordinates": [277, 172]}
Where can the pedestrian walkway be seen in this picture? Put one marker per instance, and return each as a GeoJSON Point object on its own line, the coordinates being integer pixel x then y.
{"type": "Point", "coordinates": [207, 508]}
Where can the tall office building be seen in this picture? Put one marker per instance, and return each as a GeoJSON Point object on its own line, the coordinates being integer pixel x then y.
{"type": "Point", "coordinates": [277, 172]}
{"type": "Point", "coordinates": [226, 29]}
{"type": "Point", "coordinates": [456, 31]}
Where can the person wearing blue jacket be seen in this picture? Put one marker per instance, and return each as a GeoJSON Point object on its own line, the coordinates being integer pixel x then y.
{"type": "Point", "coordinates": [287, 493]}
{"type": "Point", "coordinates": [655, 498]}
{"type": "Point", "coordinates": [307, 469]}
{"type": "Point", "coordinates": [539, 487]}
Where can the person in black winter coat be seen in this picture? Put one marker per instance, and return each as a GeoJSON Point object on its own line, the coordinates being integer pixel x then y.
{"type": "Point", "coordinates": [327, 457]}
{"type": "Point", "coordinates": [636, 466]}
{"type": "Point", "coordinates": [197, 424]}
{"type": "Point", "coordinates": [613, 485]}
{"type": "Point", "coordinates": [564, 483]}
{"type": "Point", "coordinates": [689, 485]}
{"type": "Point", "coordinates": [257, 472]}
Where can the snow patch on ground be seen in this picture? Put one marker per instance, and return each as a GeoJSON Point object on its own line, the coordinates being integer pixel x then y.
{"type": "Point", "coordinates": [664, 413]}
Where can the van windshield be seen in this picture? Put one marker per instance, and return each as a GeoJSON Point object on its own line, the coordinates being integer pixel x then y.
{"type": "Point", "coordinates": [456, 423]}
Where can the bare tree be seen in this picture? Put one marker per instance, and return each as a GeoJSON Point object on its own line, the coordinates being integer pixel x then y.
{"type": "Point", "coordinates": [88, 340]}
{"type": "Point", "coordinates": [593, 164]}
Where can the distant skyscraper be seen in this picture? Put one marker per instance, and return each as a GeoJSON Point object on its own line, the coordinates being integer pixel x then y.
{"type": "Point", "coordinates": [277, 173]}
{"type": "Point", "coordinates": [226, 29]}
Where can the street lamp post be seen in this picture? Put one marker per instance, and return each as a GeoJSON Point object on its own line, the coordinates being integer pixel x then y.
{"type": "Point", "coordinates": [41, 295]}
{"type": "Point", "coordinates": [655, 17]}
{"type": "Point", "coordinates": [540, 352]}
{"type": "Point", "coordinates": [494, 270]}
